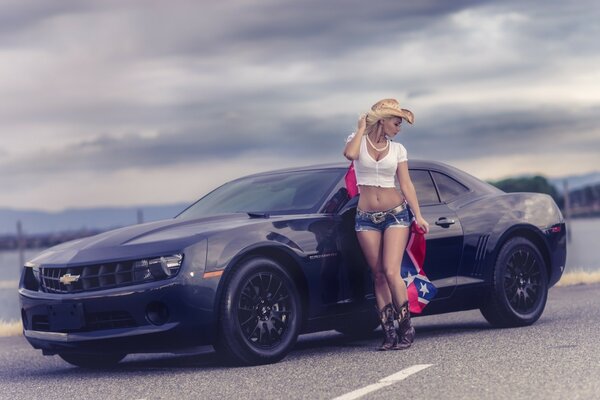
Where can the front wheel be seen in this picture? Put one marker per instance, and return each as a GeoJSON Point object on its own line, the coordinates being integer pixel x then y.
{"type": "Point", "coordinates": [519, 285]}
{"type": "Point", "coordinates": [260, 313]}
{"type": "Point", "coordinates": [92, 360]}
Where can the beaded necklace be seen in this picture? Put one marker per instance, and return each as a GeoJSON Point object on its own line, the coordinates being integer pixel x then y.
{"type": "Point", "coordinates": [384, 148]}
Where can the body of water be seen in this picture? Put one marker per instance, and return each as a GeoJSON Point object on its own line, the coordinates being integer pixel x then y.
{"type": "Point", "coordinates": [10, 272]}
{"type": "Point", "coordinates": [583, 253]}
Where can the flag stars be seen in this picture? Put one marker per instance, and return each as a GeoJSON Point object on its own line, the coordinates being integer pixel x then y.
{"type": "Point", "coordinates": [423, 289]}
{"type": "Point", "coordinates": [409, 278]}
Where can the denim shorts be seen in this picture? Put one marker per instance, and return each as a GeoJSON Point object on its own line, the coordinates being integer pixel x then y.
{"type": "Point", "coordinates": [380, 221]}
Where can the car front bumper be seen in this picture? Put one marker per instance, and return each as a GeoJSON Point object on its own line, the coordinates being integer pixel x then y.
{"type": "Point", "coordinates": [153, 317]}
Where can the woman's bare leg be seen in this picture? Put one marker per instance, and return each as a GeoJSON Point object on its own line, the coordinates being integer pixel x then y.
{"type": "Point", "coordinates": [370, 243]}
{"type": "Point", "coordinates": [394, 244]}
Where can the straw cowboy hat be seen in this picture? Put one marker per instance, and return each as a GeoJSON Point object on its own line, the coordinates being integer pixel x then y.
{"type": "Point", "coordinates": [390, 107]}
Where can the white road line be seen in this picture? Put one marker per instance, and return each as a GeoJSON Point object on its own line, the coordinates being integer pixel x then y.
{"type": "Point", "coordinates": [387, 381]}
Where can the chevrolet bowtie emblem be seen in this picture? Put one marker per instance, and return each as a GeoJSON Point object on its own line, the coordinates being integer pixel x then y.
{"type": "Point", "coordinates": [67, 279]}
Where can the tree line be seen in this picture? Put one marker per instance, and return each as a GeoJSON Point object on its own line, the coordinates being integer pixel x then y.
{"type": "Point", "coordinates": [583, 202]}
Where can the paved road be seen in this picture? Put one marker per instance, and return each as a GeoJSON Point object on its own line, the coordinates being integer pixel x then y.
{"type": "Point", "coordinates": [458, 356]}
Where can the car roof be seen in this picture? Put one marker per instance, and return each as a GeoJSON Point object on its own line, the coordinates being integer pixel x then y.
{"type": "Point", "coordinates": [471, 181]}
{"type": "Point", "coordinates": [413, 164]}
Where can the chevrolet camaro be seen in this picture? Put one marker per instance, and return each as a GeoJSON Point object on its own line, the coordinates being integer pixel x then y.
{"type": "Point", "coordinates": [264, 258]}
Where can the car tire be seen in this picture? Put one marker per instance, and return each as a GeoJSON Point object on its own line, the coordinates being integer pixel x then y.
{"type": "Point", "coordinates": [96, 361]}
{"type": "Point", "coordinates": [519, 285]}
{"type": "Point", "coordinates": [360, 326]}
{"type": "Point", "coordinates": [260, 313]}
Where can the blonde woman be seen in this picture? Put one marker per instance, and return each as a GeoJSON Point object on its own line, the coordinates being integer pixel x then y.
{"type": "Point", "coordinates": [384, 214]}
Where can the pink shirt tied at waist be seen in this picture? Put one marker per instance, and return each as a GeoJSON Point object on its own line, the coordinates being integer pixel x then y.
{"type": "Point", "coordinates": [380, 173]}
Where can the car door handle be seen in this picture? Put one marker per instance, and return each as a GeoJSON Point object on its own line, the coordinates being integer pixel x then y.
{"type": "Point", "coordinates": [445, 222]}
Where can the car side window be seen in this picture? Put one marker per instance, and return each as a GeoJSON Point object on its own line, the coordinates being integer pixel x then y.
{"type": "Point", "coordinates": [448, 187]}
{"type": "Point", "coordinates": [424, 187]}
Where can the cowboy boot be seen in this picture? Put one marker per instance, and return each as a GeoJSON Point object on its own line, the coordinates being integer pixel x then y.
{"type": "Point", "coordinates": [390, 337]}
{"type": "Point", "coordinates": [406, 331]}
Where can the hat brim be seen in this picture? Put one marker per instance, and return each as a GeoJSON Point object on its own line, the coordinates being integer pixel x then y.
{"type": "Point", "coordinates": [406, 115]}
{"type": "Point", "coordinates": [395, 112]}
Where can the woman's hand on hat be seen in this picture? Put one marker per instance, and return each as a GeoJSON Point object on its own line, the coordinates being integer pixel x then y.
{"type": "Point", "coordinates": [362, 123]}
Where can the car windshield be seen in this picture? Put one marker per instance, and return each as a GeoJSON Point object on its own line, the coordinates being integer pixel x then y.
{"type": "Point", "coordinates": [276, 193]}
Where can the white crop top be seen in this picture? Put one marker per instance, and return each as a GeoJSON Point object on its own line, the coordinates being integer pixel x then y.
{"type": "Point", "coordinates": [380, 173]}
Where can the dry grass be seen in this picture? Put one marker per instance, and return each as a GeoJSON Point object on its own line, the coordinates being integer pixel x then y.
{"type": "Point", "coordinates": [10, 328]}
{"type": "Point", "coordinates": [579, 278]}
{"type": "Point", "coordinates": [9, 284]}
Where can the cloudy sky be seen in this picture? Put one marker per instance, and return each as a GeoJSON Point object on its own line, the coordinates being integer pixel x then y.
{"type": "Point", "coordinates": [107, 103]}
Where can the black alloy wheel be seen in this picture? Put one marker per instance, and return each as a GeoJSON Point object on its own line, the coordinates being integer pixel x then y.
{"type": "Point", "coordinates": [93, 361]}
{"type": "Point", "coordinates": [522, 283]}
{"type": "Point", "coordinates": [519, 287]}
{"type": "Point", "coordinates": [263, 309]}
{"type": "Point", "coordinates": [260, 313]}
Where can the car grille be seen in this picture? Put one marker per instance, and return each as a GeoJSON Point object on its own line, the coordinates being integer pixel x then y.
{"type": "Point", "coordinates": [90, 277]}
{"type": "Point", "coordinates": [93, 321]}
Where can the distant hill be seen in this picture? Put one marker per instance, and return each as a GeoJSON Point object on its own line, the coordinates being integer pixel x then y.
{"type": "Point", "coordinates": [576, 181]}
{"type": "Point", "coordinates": [35, 221]}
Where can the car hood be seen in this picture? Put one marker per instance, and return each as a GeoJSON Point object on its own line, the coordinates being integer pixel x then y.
{"type": "Point", "coordinates": [143, 240]}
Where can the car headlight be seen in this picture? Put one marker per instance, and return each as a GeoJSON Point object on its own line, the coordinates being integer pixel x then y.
{"type": "Point", "coordinates": [157, 268]}
{"type": "Point", "coordinates": [35, 269]}
{"type": "Point", "coordinates": [31, 279]}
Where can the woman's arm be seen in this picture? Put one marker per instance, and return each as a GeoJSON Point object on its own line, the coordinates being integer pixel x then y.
{"type": "Point", "coordinates": [352, 148]}
{"type": "Point", "coordinates": [410, 194]}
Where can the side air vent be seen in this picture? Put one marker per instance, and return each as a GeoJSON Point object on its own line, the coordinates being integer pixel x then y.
{"type": "Point", "coordinates": [480, 255]}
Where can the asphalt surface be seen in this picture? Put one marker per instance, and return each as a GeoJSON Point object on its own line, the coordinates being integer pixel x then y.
{"type": "Point", "coordinates": [457, 356]}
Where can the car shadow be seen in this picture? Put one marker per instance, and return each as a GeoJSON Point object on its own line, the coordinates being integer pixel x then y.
{"type": "Point", "coordinates": [445, 329]}
{"type": "Point", "coordinates": [209, 360]}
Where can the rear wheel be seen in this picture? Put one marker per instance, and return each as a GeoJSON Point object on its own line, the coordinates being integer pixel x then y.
{"type": "Point", "coordinates": [92, 360]}
{"type": "Point", "coordinates": [519, 285]}
{"type": "Point", "coordinates": [260, 314]}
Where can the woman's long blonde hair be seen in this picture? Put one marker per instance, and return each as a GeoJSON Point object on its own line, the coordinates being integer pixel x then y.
{"type": "Point", "coordinates": [373, 118]}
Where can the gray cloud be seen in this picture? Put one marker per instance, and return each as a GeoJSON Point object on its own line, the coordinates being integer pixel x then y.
{"type": "Point", "coordinates": [456, 133]}
{"type": "Point", "coordinates": [223, 141]}
{"type": "Point", "coordinates": [460, 133]}
{"type": "Point", "coordinates": [19, 15]}
{"type": "Point", "coordinates": [118, 86]}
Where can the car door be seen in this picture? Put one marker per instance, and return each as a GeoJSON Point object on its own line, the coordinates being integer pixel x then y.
{"type": "Point", "coordinates": [352, 281]}
{"type": "Point", "coordinates": [445, 237]}
{"type": "Point", "coordinates": [345, 279]}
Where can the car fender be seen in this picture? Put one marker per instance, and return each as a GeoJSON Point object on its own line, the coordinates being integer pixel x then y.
{"type": "Point", "coordinates": [527, 231]}
{"type": "Point", "coordinates": [288, 254]}
{"type": "Point", "coordinates": [488, 222]}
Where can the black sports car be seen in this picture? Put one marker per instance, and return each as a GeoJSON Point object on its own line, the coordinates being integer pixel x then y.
{"type": "Point", "coordinates": [266, 257]}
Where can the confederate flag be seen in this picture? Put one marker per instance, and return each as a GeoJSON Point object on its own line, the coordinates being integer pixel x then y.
{"type": "Point", "coordinates": [419, 287]}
